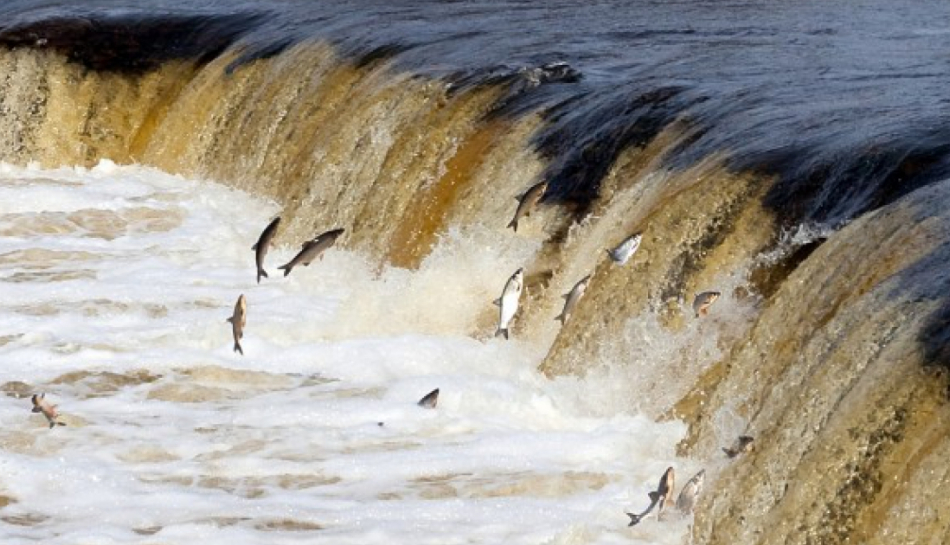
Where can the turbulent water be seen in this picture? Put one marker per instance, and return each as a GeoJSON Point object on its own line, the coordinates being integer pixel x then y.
{"type": "Point", "coordinates": [792, 156]}
{"type": "Point", "coordinates": [116, 283]}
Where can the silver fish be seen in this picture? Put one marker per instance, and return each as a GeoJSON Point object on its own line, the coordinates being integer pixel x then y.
{"type": "Point", "coordinates": [703, 301]}
{"type": "Point", "coordinates": [430, 400]}
{"type": "Point", "coordinates": [238, 320]}
{"type": "Point", "coordinates": [625, 250]}
{"type": "Point", "coordinates": [658, 498]}
{"type": "Point", "coordinates": [508, 302]}
{"type": "Point", "coordinates": [262, 245]}
{"type": "Point", "coordinates": [742, 445]}
{"type": "Point", "coordinates": [40, 405]}
{"type": "Point", "coordinates": [571, 298]}
{"type": "Point", "coordinates": [527, 202]}
{"type": "Point", "coordinates": [312, 249]}
{"type": "Point", "coordinates": [686, 501]}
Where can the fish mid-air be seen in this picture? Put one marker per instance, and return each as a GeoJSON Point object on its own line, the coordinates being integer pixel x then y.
{"type": "Point", "coordinates": [508, 302]}
{"type": "Point", "coordinates": [312, 249]}
{"type": "Point", "coordinates": [703, 301]}
{"type": "Point", "coordinates": [742, 445]}
{"type": "Point", "coordinates": [658, 498]}
{"type": "Point", "coordinates": [571, 298]}
{"type": "Point", "coordinates": [625, 250]}
{"type": "Point", "coordinates": [238, 320]}
{"type": "Point", "coordinates": [430, 400]}
{"type": "Point", "coordinates": [262, 245]}
{"type": "Point", "coordinates": [686, 501]}
{"type": "Point", "coordinates": [527, 202]}
{"type": "Point", "coordinates": [40, 405]}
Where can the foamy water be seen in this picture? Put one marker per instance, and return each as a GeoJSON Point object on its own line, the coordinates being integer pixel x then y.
{"type": "Point", "coordinates": [115, 285]}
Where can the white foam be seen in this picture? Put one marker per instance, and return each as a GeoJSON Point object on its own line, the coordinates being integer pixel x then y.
{"type": "Point", "coordinates": [173, 437]}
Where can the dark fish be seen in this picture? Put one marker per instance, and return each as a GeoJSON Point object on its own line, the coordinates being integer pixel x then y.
{"type": "Point", "coordinates": [40, 405]}
{"type": "Point", "coordinates": [742, 445]}
{"type": "Point", "coordinates": [238, 320]}
{"type": "Point", "coordinates": [527, 202]}
{"type": "Point", "coordinates": [263, 244]}
{"type": "Point", "coordinates": [312, 249]}
{"type": "Point", "coordinates": [660, 497]}
{"type": "Point", "coordinates": [703, 301]}
{"type": "Point", "coordinates": [430, 399]}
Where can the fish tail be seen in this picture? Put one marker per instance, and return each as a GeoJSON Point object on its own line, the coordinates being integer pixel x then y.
{"type": "Point", "coordinates": [286, 268]}
{"type": "Point", "coordinates": [634, 519]}
{"type": "Point", "coordinates": [513, 225]}
{"type": "Point", "coordinates": [502, 331]}
{"type": "Point", "coordinates": [237, 348]}
{"type": "Point", "coordinates": [260, 273]}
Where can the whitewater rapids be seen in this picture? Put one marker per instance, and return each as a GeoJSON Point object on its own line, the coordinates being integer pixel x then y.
{"type": "Point", "coordinates": [116, 283]}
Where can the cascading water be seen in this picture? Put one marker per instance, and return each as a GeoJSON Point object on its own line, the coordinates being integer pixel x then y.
{"type": "Point", "coordinates": [792, 158]}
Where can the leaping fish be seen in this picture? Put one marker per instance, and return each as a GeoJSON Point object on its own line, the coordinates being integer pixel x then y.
{"type": "Point", "coordinates": [262, 245]}
{"type": "Point", "coordinates": [40, 405]}
{"type": "Point", "coordinates": [312, 249]}
{"type": "Point", "coordinates": [686, 501]}
{"type": "Point", "coordinates": [238, 320]}
{"type": "Point", "coordinates": [571, 298]}
{"type": "Point", "coordinates": [742, 445]}
{"type": "Point", "coordinates": [658, 498]}
{"type": "Point", "coordinates": [508, 302]}
{"type": "Point", "coordinates": [625, 250]}
{"type": "Point", "coordinates": [430, 400]}
{"type": "Point", "coordinates": [703, 301]}
{"type": "Point", "coordinates": [527, 202]}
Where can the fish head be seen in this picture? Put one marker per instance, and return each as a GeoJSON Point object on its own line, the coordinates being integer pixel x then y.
{"type": "Point", "coordinates": [666, 481]}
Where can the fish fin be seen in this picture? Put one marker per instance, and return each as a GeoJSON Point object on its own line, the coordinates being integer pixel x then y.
{"type": "Point", "coordinates": [60, 423]}
{"type": "Point", "coordinates": [286, 268]}
{"type": "Point", "coordinates": [634, 519]}
{"type": "Point", "coordinates": [52, 425]}
{"type": "Point", "coordinates": [654, 496]}
{"type": "Point", "coordinates": [231, 319]}
{"type": "Point", "coordinates": [260, 273]}
{"type": "Point", "coordinates": [566, 296]}
{"type": "Point", "coordinates": [611, 254]}
{"type": "Point", "coordinates": [560, 318]}
{"type": "Point", "coordinates": [729, 452]}
{"type": "Point", "coordinates": [254, 247]}
{"type": "Point", "coordinates": [430, 400]}
{"type": "Point", "coordinates": [36, 410]}
{"type": "Point", "coordinates": [502, 331]}
{"type": "Point", "coordinates": [497, 302]}
{"type": "Point", "coordinates": [237, 348]}
{"type": "Point", "coordinates": [513, 225]}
